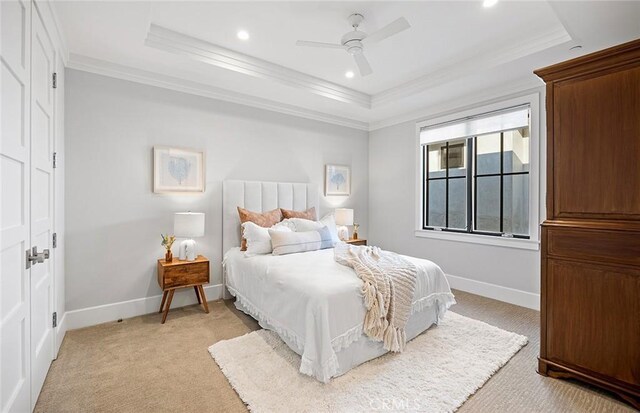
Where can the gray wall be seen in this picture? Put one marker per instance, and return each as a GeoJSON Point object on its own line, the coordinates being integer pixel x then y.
{"type": "Point", "coordinates": [392, 200]}
{"type": "Point", "coordinates": [114, 220]}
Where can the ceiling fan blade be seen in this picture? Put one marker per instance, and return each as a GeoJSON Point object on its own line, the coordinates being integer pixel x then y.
{"type": "Point", "coordinates": [389, 30]}
{"type": "Point", "coordinates": [363, 64]}
{"type": "Point", "coordinates": [319, 44]}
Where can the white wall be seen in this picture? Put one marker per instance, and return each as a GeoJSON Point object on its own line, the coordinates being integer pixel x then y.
{"type": "Point", "coordinates": [114, 220]}
{"type": "Point", "coordinates": [504, 273]}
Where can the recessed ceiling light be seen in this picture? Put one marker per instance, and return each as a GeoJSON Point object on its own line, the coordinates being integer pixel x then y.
{"type": "Point", "coordinates": [349, 74]}
{"type": "Point", "coordinates": [243, 35]}
{"type": "Point", "coordinates": [489, 3]}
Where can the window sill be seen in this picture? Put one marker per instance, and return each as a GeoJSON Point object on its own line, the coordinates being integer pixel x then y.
{"type": "Point", "coordinates": [518, 243]}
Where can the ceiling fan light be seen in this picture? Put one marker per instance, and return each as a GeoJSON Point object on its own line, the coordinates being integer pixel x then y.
{"type": "Point", "coordinates": [489, 3]}
{"type": "Point", "coordinates": [354, 41]}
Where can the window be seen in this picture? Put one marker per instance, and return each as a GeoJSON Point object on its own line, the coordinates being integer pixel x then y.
{"type": "Point", "coordinates": [476, 174]}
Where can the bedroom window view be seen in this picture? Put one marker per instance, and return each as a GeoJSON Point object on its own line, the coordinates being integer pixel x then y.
{"type": "Point", "coordinates": [478, 183]}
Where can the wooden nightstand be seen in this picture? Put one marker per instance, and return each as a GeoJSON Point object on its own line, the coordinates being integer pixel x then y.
{"type": "Point", "coordinates": [356, 241]}
{"type": "Point", "coordinates": [182, 274]}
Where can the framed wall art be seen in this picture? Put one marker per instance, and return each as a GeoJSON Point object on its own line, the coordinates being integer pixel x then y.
{"type": "Point", "coordinates": [337, 180]}
{"type": "Point", "coordinates": [177, 170]}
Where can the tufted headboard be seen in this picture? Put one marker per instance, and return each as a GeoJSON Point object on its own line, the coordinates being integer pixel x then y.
{"type": "Point", "coordinates": [261, 197]}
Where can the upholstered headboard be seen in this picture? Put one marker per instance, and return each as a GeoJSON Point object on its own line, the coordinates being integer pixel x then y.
{"type": "Point", "coordinates": [260, 197]}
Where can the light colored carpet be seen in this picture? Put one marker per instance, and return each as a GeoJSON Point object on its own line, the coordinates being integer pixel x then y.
{"type": "Point", "coordinates": [140, 365]}
{"type": "Point", "coordinates": [436, 373]}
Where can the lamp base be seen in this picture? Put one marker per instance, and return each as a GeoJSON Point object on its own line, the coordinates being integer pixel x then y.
{"type": "Point", "coordinates": [343, 233]}
{"type": "Point", "coordinates": [187, 250]}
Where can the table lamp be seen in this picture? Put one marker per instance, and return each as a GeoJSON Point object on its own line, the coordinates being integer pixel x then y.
{"type": "Point", "coordinates": [344, 217]}
{"type": "Point", "coordinates": [188, 225]}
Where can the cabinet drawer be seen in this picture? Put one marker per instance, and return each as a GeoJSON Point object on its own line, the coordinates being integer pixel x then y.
{"type": "Point", "coordinates": [621, 247]}
{"type": "Point", "coordinates": [181, 275]}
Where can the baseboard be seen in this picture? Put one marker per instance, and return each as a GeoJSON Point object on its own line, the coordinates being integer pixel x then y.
{"type": "Point", "coordinates": [497, 292]}
{"type": "Point", "coordinates": [60, 331]}
{"type": "Point", "coordinates": [90, 316]}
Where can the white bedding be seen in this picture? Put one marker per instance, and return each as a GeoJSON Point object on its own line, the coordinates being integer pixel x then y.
{"type": "Point", "coordinates": [315, 304]}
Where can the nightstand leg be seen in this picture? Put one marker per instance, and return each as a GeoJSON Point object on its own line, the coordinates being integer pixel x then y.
{"type": "Point", "coordinates": [164, 298]}
{"type": "Point", "coordinates": [195, 287]}
{"type": "Point", "coordinates": [166, 310]}
{"type": "Point", "coordinates": [204, 299]}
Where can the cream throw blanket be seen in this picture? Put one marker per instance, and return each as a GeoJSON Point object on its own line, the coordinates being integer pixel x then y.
{"type": "Point", "coordinates": [389, 282]}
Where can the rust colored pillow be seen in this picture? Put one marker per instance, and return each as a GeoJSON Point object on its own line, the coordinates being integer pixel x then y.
{"type": "Point", "coordinates": [264, 219]}
{"type": "Point", "coordinates": [308, 214]}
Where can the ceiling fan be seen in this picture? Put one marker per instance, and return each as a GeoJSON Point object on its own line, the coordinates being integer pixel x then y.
{"type": "Point", "coordinates": [355, 41]}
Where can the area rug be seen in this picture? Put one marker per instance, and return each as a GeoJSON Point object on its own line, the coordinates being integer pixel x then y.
{"type": "Point", "coordinates": [437, 372]}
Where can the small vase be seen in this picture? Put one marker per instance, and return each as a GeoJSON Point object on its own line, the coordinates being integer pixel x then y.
{"type": "Point", "coordinates": [168, 257]}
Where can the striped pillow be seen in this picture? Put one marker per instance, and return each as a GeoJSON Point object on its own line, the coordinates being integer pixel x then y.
{"type": "Point", "coordinates": [292, 242]}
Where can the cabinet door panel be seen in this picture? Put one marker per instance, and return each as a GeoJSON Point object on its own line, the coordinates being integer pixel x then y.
{"type": "Point", "coordinates": [593, 318]}
{"type": "Point", "coordinates": [596, 142]}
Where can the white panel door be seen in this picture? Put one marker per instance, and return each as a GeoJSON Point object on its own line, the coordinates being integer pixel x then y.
{"type": "Point", "coordinates": [15, 347]}
{"type": "Point", "coordinates": [41, 210]}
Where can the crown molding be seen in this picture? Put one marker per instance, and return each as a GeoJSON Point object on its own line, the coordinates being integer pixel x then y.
{"type": "Point", "coordinates": [466, 67]}
{"type": "Point", "coordinates": [105, 68]}
{"type": "Point", "coordinates": [168, 40]}
{"type": "Point", "coordinates": [114, 70]}
{"type": "Point", "coordinates": [171, 41]}
{"type": "Point", "coordinates": [485, 96]}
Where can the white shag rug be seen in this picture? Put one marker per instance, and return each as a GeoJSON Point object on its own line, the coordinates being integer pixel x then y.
{"type": "Point", "coordinates": [437, 372]}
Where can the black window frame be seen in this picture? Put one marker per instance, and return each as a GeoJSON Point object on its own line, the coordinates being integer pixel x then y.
{"type": "Point", "coordinates": [472, 189]}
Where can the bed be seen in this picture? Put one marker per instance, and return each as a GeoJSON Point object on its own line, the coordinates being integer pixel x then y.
{"type": "Point", "coordinates": [313, 303]}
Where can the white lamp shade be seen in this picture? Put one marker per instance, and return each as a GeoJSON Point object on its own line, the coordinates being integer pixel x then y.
{"type": "Point", "coordinates": [344, 216]}
{"type": "Point", "coordinates": [188, 224]}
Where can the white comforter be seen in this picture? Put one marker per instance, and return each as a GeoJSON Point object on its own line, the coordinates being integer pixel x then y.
{"type": "Point", "coordinates": [314, 303]}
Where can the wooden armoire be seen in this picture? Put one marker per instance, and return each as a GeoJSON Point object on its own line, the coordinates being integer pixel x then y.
{"type": "Point", "coordinates": [590, 287]}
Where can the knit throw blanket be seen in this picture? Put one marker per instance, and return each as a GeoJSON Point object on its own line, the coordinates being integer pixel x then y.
{"type": "Point", "coordinates": [389, 282]}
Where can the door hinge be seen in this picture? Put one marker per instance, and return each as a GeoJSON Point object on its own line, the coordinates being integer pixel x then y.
{"type": "Point", "coordinates": [55, 159]}
{"type": "Point", "coordinates": [54, 241]}
{"type": "Point", "coordinates": [54, 80]}
{"type": "Point", "coordinates": [55, 319]}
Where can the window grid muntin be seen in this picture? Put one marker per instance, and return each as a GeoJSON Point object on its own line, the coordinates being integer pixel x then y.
{"type": "Point", "coordinates": [446, 178]}
{"type": "Point", "coordinates": [471, 188]}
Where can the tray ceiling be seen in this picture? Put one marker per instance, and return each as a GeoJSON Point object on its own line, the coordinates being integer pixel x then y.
{"type": "Point", "coordinates": [448, 44]}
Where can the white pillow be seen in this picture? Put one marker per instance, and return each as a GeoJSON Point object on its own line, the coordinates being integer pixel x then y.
{"type": "Point", "coordinates": [329, 221]}
{"type": "Point", "coordinates": [301, 225]}
{"type": "Point", "coordinates": [258, 238]}
{"type": "Point", "coordinates": [289, 223]}
{"type": "Point", "coordinates": [292, 242]}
